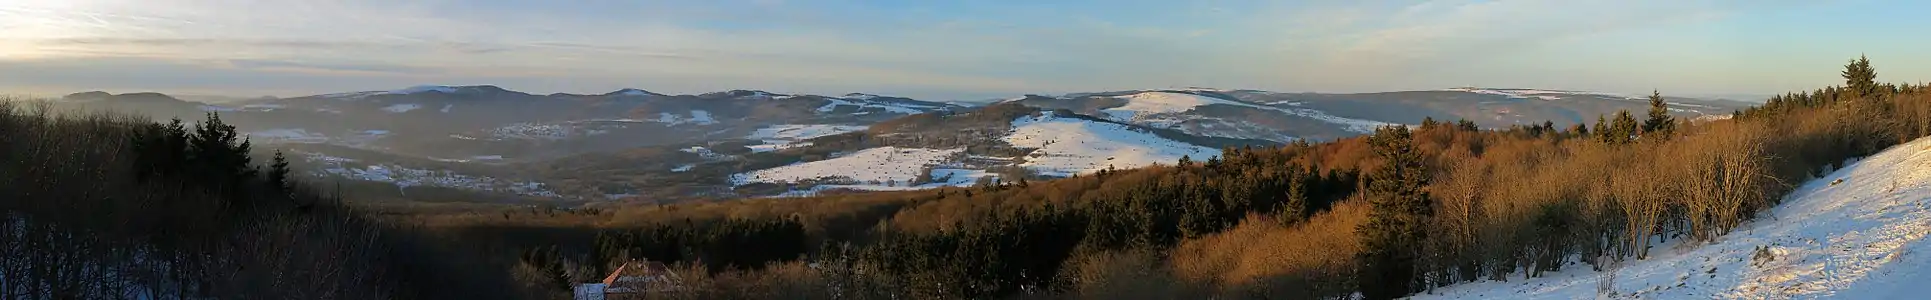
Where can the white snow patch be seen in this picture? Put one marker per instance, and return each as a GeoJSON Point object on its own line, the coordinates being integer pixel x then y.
{"type": "Point", "coordinates": [778, 137]}
{"type": "Point", "coordinates": [1066, 146]}
{"type": "Point", "coordinates": [683, 168]}
{"type": "Point", "coordinates": [288, 135]}
{"type": "Point", "coordinates": [1862, 238]}
{"type": "Point", "coordinates": [422, 89]}
{"type": "Point", "coordinates": [887, 165]}
{"type": "Point", "coordinates": [1161, 109]}
{"type": "Point", "coordinates": [446, 107]}
{"type": "Point", "coordinates": [702, 117]}
{"type": "Point", "coordinates": [900, 108]}
{"type": "Point", "coordinates": [218, 108]}
{"type": "Point", "coordinates": [402, 108]}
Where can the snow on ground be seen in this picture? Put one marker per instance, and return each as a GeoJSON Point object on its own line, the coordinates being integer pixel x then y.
{"type": "Point", "coordinates": [402, 108]}
{"type": "Point", "coordinates": [404, 177]}
{"type": "Point", "coordinates": [1863, 238]}
{"type": "Point", "coordinates": [886, 165]}
{"type": "Point", "coordinates": [1537, 94]}
{"type": "Point", "coordinates": [706, 153]}
{"type": "Point", "coordinates": [1067, 146]}
{"type": "Point", "coordinates": [698, 117]}
{"type": "Point", "coordinates": [288, 135]}
{"type": "Point", "coordinates": [862, 104]}
{"type": "Point", "coordinates": [683, 168]}
{"type": "Point", "coordinates": [776, 137]}
{"type": "Point", "coordinates": [214, 108]}
{"type": "Point", "coordinates": [446, 107]}
{"type": "Point", "coordinates": [422, 89]}
{"type": "Point", "coordinates": [945, 178]}
{"type": "Point", "coordinates": [633, 92]}
{"type": "Point", "coordinates": [1161, 109]}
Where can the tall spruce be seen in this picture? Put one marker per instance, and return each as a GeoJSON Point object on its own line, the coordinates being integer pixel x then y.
{"type": "Point", "coordinates": [278, 174]}
{"type": "Point", "coordinates": [1860, 80]}
{"type": "Point", "coordinates": [1400, 210]}
{"type": "Point", "coordinates": [1660, 125]}
{"type": "Point", "coordinates": [1623, 129]}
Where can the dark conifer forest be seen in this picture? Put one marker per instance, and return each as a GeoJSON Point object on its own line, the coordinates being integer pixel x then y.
{"type": "Point", "coordinates": [106, 206]}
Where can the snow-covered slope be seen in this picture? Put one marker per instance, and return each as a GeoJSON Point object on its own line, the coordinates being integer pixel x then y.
{"type": "Point", "coordinates": [784, 136]}
{"type": "Point", "coordinates": [1166, 109]}
{"type": "Point", "coordinates": [1067, 146]}
{"type": "Point", "coordinates": [1862, 238]}
{"type": "Point", "coordinates": [883, 165]}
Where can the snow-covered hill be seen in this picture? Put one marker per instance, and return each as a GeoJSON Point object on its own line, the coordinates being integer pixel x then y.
{"type": "Point", "coordinates": [887, 166]}
{"type": "Point", "coordinates": [1861, 238]}
{"type": "Point", "coordinates": [1065, 146]}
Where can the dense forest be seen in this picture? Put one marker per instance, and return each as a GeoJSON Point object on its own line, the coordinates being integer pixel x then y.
{"type": "Point", "coordinates": [170, 210]}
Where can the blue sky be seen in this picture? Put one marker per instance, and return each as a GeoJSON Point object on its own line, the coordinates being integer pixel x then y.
{"type": "Point", "coordinates": [950, 50]}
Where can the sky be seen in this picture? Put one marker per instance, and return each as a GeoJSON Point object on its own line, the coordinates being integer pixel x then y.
{"type": "Point", "coordinates": [951, 50]}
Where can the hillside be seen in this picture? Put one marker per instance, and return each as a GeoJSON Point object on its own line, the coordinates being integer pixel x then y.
{"type": "Point", "coordinates": [1857, 233]}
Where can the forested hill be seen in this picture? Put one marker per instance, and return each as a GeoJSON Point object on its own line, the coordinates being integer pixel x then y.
{"type": "Point", "coordinates": [110, 206]}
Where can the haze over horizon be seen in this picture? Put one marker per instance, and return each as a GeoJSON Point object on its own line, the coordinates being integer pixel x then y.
{"type": "Point", "coordinates": [947, 51]}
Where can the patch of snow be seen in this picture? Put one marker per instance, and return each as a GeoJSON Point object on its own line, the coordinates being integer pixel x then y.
{"type": "Point", "coordinates": [891, 166]}
{"type": "Point", "coordinates": [446, 107]}
{"type": "Point", "coordinates": [1066, 146]}
{"type": "Point", "coordinates": [702, 117]}
{"type": "Point", "coordinates": [402, 108]}
{"type": "Point", "coordinates": [218, 108]}
{"type": "Point", "coordinates": [683, 168]}
{"type": "Point", "coordinates": [799, 132]}
{"type": "Point", "coordinates": [702, 152]}
{"type": "Point", "coordinates": [288, 135]}
{"type": "Point", "coordinates": [899, 108]}
{"type": "Point", "coordinates": [1161, 109]}
{"type": "Point", "coordinates": [633, 92]}
{"type": "Point", "coordinates": [404, 177]}
{"type": "Point", "coordinates": [423, 89]}
{"type": "Point", "coordinates": [778, 137]}
{"type": "Point", "coordinates": [1862, 238]}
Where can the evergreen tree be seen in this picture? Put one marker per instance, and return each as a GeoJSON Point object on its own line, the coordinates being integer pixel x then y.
{"type": "Point", "coordinates": [1294, 208]}
{"type": "Point", "coordinates": [1400, 210]}
{"type": "Point", "coordinates": [1623, 129]}
{"type": "Point", "coordinates": [278, 174]}
{"type": "Point", "coordinates": [1660, 125]}
{"type": "Point", "coordinates": [1860, 80]}
{"type": "Point", "coordinates": [1603, 133]}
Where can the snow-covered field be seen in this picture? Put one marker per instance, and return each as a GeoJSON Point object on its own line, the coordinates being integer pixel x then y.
{"type": "Point", "coordinates": [698, 117]}
{"type": "Point", "coordinates": [859, 102]}
{"type": "Point", "coordinates": [1538, 94]}
{"type": "Point", "coordinates": [777, 137]}
{"type": "Point", "coordinates": [1863, 238]}
{"type": "Point", "coordinates": [402, 108]}
{"type": "Point", "coordinates": [1162, 109]}
{"type": "Point", "coordinates": [891, 166]}
{"type": "Point", "coordinates": [404, 177]}
{"type": "Point", "coordinates": [288, 135]}
{"type": "Point", "coordinates": [1067, 146]}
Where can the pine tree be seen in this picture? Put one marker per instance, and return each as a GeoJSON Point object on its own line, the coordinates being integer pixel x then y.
{"type": "Point", "coordinates": [278, 174]}
{"type": "Point", "coordinates": [1660, 125]}
{"type": "Point", "coordinates": [1295, 207]}
{"type": "Point", "coordinates": [1624, 128]}
{"type": "Point", "coordinates": [1399, 211]}
{"type": "Point", "coordinates": [1860, 80]}
{"type": "Point", "coordinates": [1604, 134]}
